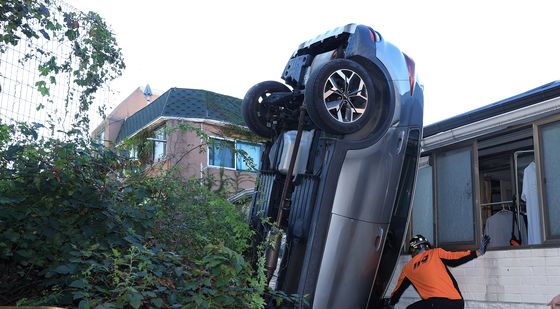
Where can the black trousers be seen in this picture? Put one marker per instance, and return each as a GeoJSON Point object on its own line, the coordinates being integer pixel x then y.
{"type": "Point", "coordinates": [438, 303]}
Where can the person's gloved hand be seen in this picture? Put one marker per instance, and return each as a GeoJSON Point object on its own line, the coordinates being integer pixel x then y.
{"type": "Point", "coordinates": [386, 303]}
{"type": "Point", "coordinates": [483, 244]}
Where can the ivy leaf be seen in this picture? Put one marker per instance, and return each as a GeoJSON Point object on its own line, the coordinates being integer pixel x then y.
{"type": "Point", "coordinates": [50, 25]}
{"type": "Point", "coordinates": [42, 87]}
{"type": "Point", "coordinates": [45, 34]}
{"type": "Point", "coordinates": [44, 10]}
{"type": "Point", "coordinates": [26, 29]}
{"type": "Point", "coordinates": [71, 34]}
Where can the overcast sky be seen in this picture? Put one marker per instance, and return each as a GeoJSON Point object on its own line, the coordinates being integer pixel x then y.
{"type": "Point", "coordinates": [468, 53]}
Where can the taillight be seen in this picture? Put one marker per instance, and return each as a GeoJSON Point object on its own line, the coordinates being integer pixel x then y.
{"type": "Point", "coordinates": [372, 35]}
{"type": "Point", "coordinates": [411, 72]}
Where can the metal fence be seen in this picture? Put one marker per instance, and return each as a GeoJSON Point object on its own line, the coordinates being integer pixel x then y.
{"type": "Point", "coordinates": [20, 99]}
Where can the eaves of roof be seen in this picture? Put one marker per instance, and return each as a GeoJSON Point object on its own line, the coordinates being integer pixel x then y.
{"type": "Point", "coordinates": [178, 103]}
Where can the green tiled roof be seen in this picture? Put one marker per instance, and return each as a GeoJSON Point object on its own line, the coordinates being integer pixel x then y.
{"type": "Point", "coordinates": [184, 103]}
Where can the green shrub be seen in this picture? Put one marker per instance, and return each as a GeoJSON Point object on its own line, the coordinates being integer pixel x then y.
{"type": "Point", "coordinates": [78, 228]}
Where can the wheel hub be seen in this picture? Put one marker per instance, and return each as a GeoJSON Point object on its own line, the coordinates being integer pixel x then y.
{"type": "Point", "coordinates": [345, 96]}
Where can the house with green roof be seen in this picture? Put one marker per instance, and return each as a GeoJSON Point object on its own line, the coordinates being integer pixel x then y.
{"type": "Point", "coordinates": [199, 132]}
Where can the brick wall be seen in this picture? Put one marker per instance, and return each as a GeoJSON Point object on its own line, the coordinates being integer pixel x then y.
{"type": "Point", "coordinates": [522, 278]}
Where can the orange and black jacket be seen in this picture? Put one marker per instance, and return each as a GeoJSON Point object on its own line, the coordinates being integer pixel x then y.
{"type": "Point", "coordinates": [428, 273]}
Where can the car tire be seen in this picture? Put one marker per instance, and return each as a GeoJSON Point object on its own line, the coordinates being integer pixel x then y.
{"type": "Point", "coordinates": [340, 97]}
{"type": "Point", "coordinates": [257, 116]}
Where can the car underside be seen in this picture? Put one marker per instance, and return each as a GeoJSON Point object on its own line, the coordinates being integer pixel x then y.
{"type": "Point", "coordinates": [337, 174]}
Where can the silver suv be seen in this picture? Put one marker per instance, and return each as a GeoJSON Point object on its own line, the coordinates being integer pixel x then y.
{"type": "Point", "coordinates": [337, 175]}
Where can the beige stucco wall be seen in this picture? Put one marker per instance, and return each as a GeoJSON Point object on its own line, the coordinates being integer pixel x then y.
{"type": "Point", "coordinates": [112, 124]}
{"type": "Point", "coordinates": [185, 150]}
{"type": "Point", "coordinates": [189, 152]}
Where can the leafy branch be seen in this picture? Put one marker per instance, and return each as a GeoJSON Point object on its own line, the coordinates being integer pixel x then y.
{"type": "Point", "coordinates": [93, 58]}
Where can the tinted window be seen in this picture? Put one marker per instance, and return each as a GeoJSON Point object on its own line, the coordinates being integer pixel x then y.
{"type": "Point", "coordinates": [220, 153]}
{"type": "Point", "coordinates": [422, 206]}
{"type": "Point", "coordinates": [248, 156]}
{"type": "Point", "coordinates": [159, 144]}
{"type": "Point", "coordinates": [550, 137]}
{"type": "Point", "coordinates": [454, 196]}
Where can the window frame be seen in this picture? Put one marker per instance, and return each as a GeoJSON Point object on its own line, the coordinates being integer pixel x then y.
{"type": "Point", "coordinates": [101, 136]}
{"type": "Point", "coordinates": [235, 154]}
{"type": "Point", "coordinates": [238, 155]}
{"type": "Point", "coordinates": [425, 163]}
{"type": "Point", "coordinates": [159, 140]}
{"type": "Point", "coordinates": [548, 240]}
{"type": "Point", "coordinates": [208, 153]}
{"type": "Point", "coordinates": [541, 187]}
{"type": "Point", "coordinates": [466, 244]}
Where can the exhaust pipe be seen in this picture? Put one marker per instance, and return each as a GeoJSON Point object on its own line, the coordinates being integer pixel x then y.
{"type": "Point", "coordinates": [274, 237]}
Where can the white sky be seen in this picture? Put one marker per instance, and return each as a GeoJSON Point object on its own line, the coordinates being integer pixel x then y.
{"type": "Point", "coordinates": [468, 53]}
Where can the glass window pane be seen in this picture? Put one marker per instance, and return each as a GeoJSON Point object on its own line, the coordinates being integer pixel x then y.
{"type": "Point", "coordinates": [159, 143]}
{"type": "Point", "coordinates": [455, 218]}
{"type": "Point", "coordinates": [422, 205]}
{"type": "Point", "coordinates": [133, 154]}
{"type": "Point", "coordinates": [159, 150]}
{"type": "Point", "coordinates": [249, 157]}
{"type": "Point", "coordinates": [160, 133]}
{"type": "Point", "coordinates": [101, 137]}
{"type": "Point", "coordinates": [220, 153]}
{"type": "Point", "coordinates": [550, 136]}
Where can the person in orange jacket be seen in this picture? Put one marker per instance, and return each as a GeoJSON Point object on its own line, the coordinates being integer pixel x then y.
{"type": "Point", "coordinates": [427, 271]}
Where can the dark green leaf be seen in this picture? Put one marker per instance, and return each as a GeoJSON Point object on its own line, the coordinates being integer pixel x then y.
{"type": "Point", "coordinates": [84, 304]}
{"type": "Point", "coordinates": [158, 302]}
{"type": "Point", "coordinates": [65, 269]}
{"type": "Point", "coordinates": [4, 200]}
{"type": "Point", "coordinates": [238, 263]}
{"type": "Point", "coordinates": [71, 34]}
{"type": "Point", "coordinates": [11, 235]}
{"type": "Point", "coordinates": [149, 294]}
{"type": "Point", "coordinates": [42, 87]}
{"type": "Point", "coordinates": [25, 253]}
{"type": "Point", "coordinates": [179, 271]}
{"type": "Point", "coordinates": [80, 283]}
{"type": "Point", "coordinates": [134, 299]}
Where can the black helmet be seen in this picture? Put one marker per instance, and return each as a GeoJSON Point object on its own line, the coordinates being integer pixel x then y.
{"type": "Point", "coordinates": [418, 242]}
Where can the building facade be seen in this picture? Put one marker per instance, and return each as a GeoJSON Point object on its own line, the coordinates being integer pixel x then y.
{"type": "Point", "coordinates": [495, 171]}
{"type": "Point", "coordinates": [199, 133]}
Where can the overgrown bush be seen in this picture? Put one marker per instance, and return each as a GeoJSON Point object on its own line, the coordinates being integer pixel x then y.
{"type": "Point", "coordinates": [78, 227]}
{"type": "Point", "coordinates": [82, 226]}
